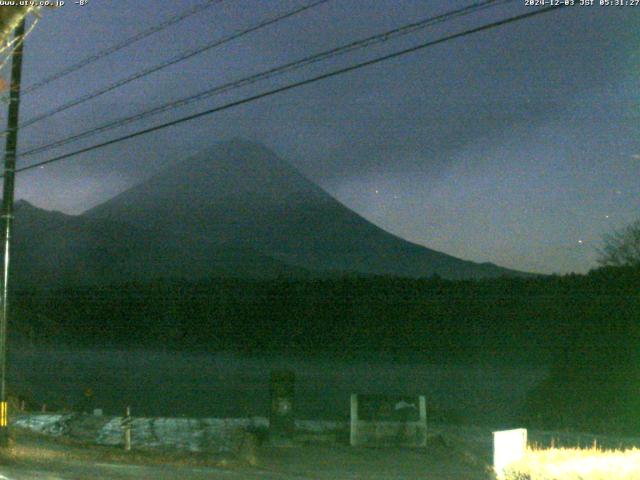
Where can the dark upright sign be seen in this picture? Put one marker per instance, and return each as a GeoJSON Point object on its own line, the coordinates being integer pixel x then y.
{"type": "Point", "coordinates": [281, 416]}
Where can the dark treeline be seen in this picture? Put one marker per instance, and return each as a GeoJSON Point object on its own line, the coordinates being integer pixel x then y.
{"type": "Point", "coordinates": [438, 318]}
{"type": "Point", "coordinates": [586, 326]}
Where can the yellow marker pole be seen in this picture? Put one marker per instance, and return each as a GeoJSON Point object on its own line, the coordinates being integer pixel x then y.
{"type": "Point", "coordinates": [4, 418]}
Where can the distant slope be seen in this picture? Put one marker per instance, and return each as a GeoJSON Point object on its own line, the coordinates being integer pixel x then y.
{"type": "Point", "coordinates": [241, 194]}
{"type": "Point", "coordinates": [53, 249]}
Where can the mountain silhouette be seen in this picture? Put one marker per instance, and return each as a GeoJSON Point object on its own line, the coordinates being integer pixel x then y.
{"type": "Point", "coordinates": [234, 209]}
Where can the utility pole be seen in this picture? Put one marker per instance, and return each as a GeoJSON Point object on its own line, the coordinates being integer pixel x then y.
{"type": "Point", "coordinates": [7, 218]}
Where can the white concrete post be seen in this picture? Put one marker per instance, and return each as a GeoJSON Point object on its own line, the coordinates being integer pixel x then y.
{"type": "Point", "coordinates": [508, 446]}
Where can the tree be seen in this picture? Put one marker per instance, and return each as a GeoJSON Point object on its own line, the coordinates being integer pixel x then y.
{"type": "Point", "coordinates": [622, 247]}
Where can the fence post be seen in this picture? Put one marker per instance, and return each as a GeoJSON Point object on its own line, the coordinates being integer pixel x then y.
{"type": "Point", "coordinates": [353, 437]}
{"type": "Point", "coordinates": [422, 409]}
{"type": "Point", "coordinates": [126, 426]}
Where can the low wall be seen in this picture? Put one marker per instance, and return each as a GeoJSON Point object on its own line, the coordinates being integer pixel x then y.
{"type": "Point", "coordinates": [185, 434]}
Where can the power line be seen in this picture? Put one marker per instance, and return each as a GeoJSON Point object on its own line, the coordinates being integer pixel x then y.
{"type": "Point", "coordinates": [119, 46]}
{"type": "Point", "coordinates": [295, 85]}
{"type": "Point", "coordinates": [297, 64]}
{"type": "Point", "coordinates": [174, 60]}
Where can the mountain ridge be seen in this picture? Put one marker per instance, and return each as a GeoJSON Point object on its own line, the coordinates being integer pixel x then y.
{"type": "Point", "coordinates": [238, 204]}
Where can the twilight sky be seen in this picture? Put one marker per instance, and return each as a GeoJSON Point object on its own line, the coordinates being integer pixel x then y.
{"type": "Point", "coordinates": [517, 146]}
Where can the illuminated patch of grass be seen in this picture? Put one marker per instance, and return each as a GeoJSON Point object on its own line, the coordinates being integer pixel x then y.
{"type": "Point", "coordinates": [576, 464]}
